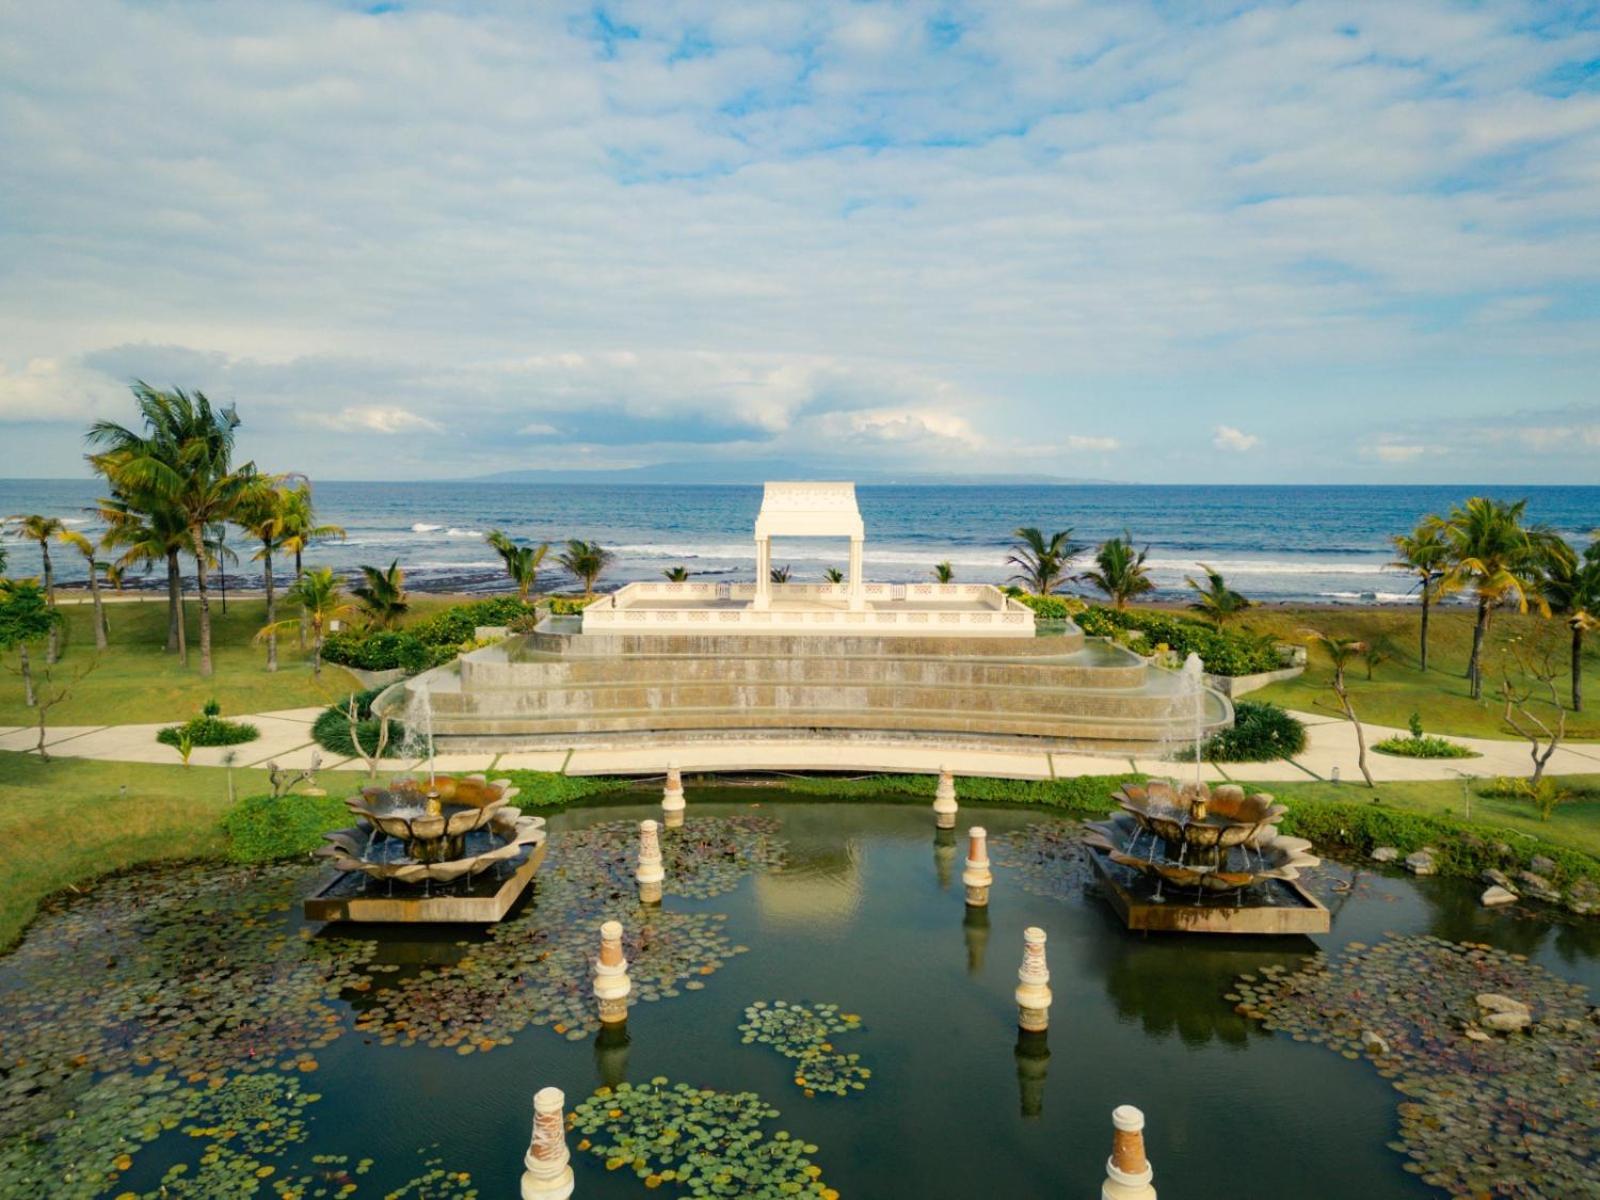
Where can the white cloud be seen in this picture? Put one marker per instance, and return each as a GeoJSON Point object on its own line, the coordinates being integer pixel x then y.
{"type": "Point", "coordinates": [372, 418]}
{"type": "Point", "coordinates": [48, 390]}
{"type": "Point", "coordinates": [539, 429]}
{"type": "Point", "coordinates": [1080, 441]}
{"type": "Point", "coordinates": [1395, 452]}
{"type": "Point", "coordinates": [1226, 437]}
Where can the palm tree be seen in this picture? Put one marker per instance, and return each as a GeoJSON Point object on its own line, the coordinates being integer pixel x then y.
{"type": "Point", "coordinates": [676, 574]}
{"type": "Point", "coordinates": [1342, 652]}
{"type": "Point", "coordinates": [146, 538]}
{"type": "Point", "coordinates": [1423, 553]}
{"type": "Point", "coordinates": [833, 574]}
{"type": "Point", "coordinates": [1215, 600]}
{"type": "Point", "coordinates": [585, 561]}
{"type": "Point", "coordinates": [25, 616]}
{"type": "Point", "coordinates": [943, 572]}
{"type": "Point", "coordinates": [1121, 574]}
{"type": "Point", "coordinates": [321, 600]}
{"type": "Point", "coordinates": [88, 549]}
{"type": "Point", "coordinates": [779, 574]}
{"type": "Point", "coordinates": [1042, 562]}
{"type": "Point", "coordinates": [263, 520]}
{"type": "Point", "coordinates": [383, 595]}
{"type": "Point", "coordinates": [301, 529]}
{"type": "Point", "coordinates": [37, 528]}
{"type": "Point", "coordinates": [522, 562]}
{"type": "Point", "coordinates": [1499, 558]}
{"type": "Point", "coordinates": [1572, 589]}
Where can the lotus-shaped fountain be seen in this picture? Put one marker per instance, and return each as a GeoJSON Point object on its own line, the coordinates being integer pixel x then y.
{"type": "Point", "coordinates": [433, 831]}
{"type": "Point", "coordinates": [1215, 841]}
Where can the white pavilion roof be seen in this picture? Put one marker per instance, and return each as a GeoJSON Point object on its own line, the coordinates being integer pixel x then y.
{"type": "Point", "coordinates": [809, 509]}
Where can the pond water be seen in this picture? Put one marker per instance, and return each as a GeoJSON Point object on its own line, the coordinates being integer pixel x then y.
{"type": "Point", "coordinates": [209, 973]}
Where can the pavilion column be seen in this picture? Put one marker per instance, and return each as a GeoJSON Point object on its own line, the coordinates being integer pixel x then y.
{"type": "Point", "coordinates": [858, 592]}
{"type": "Point", "coordinates": [763, 599]}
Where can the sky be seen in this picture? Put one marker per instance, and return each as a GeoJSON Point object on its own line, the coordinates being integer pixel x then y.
{"type": "Point", "coordinates": [1151, 242]}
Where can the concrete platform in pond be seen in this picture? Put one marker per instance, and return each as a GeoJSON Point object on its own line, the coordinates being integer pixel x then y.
{"type": "Point", "coordinates": [352, 897]}
{"type": "Point", "coordinates": [1295, 911]}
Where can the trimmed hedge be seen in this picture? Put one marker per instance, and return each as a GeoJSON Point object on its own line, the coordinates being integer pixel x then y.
{"type": "Point", "coordinates": [262, 828]}
{"type": "Point", "coordinates": [1222, 651]}
{"type": "Point", "coordinates": [430, 642]}
{"type": "Point", "coordinates": [209, 731]}
{"type": "Point", "coordinates": [331, 729]}
{"type": "Point", "coordinates": [569, 606]}
{"type": "Point", "coordinates": [547, 789]}
{"type": "Point", "coordinates": [457, 624]}
{"type": "Point", "coordinates": [1261, 732]}
{"type": "Point", "coordinates": [1426, 746]}
{"type": "Point", "coordinates": [1051, 608]}
{"type": "Point", "coordinates": [1085, 795]}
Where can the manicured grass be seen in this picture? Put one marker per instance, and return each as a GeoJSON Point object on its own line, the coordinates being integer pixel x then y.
{"type": "Point", "coordinates": [137, 681]}
{"type": "Point", "coordinates": [1399, 687]}
{"type": "Point", "coordinates": [1574, 825]}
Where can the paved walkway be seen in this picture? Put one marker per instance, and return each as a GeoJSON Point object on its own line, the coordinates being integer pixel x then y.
{"type": "Point", "coordinates": [286, 739]}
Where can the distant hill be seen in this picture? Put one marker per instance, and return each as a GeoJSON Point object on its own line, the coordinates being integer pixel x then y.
{"type": "Point", "coordinates": [761, 471]}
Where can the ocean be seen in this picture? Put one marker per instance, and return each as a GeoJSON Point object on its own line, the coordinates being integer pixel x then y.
{"type": "Point", "coordinates": [1323, 544]}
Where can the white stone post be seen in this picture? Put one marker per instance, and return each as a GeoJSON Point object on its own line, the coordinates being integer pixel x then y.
{"type": "Point", "coordinates": [1033, 983]}
{"type": "Point", "coordinates": [1128, 1172]}
{"type": "Point", "coordinates": [672, 801]}
{"type": "Point", "coordinates": [650, 872]}
{"type": "Point", "coordinates": [977, 877]}
{"type": "Point", "coordinates": [547, 1173]}
{"type": "Point", "coordinates": [611, 983]}
{"type": "Point", "coordinates": [763, 600]}
{"type": "Point", "coordinates": [944, 800]}
{"type": "Point", "coordinates": [858, 592]}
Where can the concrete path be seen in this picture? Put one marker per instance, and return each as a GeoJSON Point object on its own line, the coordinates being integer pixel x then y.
{"type": "Point", "coordinates": [1331, 746]}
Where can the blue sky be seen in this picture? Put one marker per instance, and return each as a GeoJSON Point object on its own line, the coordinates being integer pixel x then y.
{"type": "Point", "coordinates": [1255, 243]}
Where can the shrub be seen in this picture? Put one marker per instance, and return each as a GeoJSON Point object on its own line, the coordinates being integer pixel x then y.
{"type": "Point", "coordinates": [457, 624]}
{"type": "Point", "coordinates": [1422, 746]}
{"type": "Point", "coordinates": [546, 789]}
{"type": "Point", "coordinates": [1261, 732]}
{"type": "Point", "coordinates": [208, 730]}
{"type": "Point", "coordinates": [1051, 608]}
{"type": "Point", "coordinates": [1085, 795]}
{"type": "Point", "coordinates": [331, 729]}
{"type": "Point", "coordinates": [379, 650]}
{"type": "Point", "coordinates": [262, 828]}
{"type": "Point", "coordinates": [568, 606]}
{"type": "Point", "coordinates": [1221, 651]}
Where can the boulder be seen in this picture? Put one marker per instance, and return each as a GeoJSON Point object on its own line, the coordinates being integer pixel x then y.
{"type": "Point", "coordinates": [1385, 854]}
{"type": "Point", "coordinates": [1503, 1014]}
{"type": "Point", "coordinates": [1542, 864]}
{"type": "Point", "coordinates": [1538, 886]}
{"type": "Point", "coordinates": [1583, 898]}
{"type": "Point", "coordinates": [1494, 897]}
{"type": "Point", "coordinates": [1373, 1043]}
{"type": "Point", "coordinates": [1498, 879]}
{"type": "Point", "coordinates": [1421, 862]}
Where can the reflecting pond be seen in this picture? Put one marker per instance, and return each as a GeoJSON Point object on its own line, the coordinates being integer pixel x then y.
{"type": "Point", "coordinates": [183, 1029]}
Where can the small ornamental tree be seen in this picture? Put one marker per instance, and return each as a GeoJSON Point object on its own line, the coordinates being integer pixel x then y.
{"type": "Point", "coordinates": [25, 616]}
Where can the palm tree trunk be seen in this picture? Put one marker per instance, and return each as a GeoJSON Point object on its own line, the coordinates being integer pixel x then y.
{"type": "Point", "coordinates": [1577, 667]}
{"type": "Point", "coordinates": [53, 647]}
{"type": "Point", "coordinates": [1475, 662]}
{"type": "Point", "coordinates": [205, 600]}
{"type": "Point", "coordinates": [300, 570]}
{"type": "Point", "coordinates": [272, 611]}
{"type": "Point", "coordinates": [1425, 605]}
{"type": "Point", "coordinates": [316, 649]}
{"type": "Point", "coordinates": [99, 609]}
{"type": "Point", "coordinates": [174, 619]}
{"type": "Point", "coordinates": [27, 675]}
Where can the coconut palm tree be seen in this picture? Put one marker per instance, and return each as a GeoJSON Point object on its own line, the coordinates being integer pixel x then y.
{"type": "Point", "coordinates": [71, 537]}
{"type": "Point", "coordinates": [1214, 599]}
{"type": "Point", "coordinates": [586, 561]}
{"type": "Point", "coordinates": [1498, 558]}
{"type": "Point", "coordinates": [1572, 589]}
{"type": "Point", "coordinates": [383, 595]}
{"type": "Point", "coordinates": [1120, 572]}
{"type": "Point", "coordinates": [301, 529]}
{"type": "Point", "coordinates": [833, 574]}
{"type": "Point", "coordinates": [41, 529]}
{"type": "Point", "coordinates": [522, 562]}
{"type": "Point", "coordinates": [146, 538]}
{"type": "Point", "coordinates": [262, 519]}
{"type": "Point", "coordinates": [1424, 553]}
{"type": "Point", "coordinates": [943, 572]}
{"type": "Point", "coordinates": [25, 616]}
{"type": "Point", "coordinates": [676, 574]}
{"type": "Point", "coordinates": [321, 600]}
{"type": "Point", "coordinates": [1342, 653]}
{"type": "Point", "coordinates": [1042, 562]}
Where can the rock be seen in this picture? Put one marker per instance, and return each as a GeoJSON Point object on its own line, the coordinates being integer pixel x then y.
{"type": "Point", "coordinates": [1373, 1042]}
{"type": "Point", "coordinates": [1506, 1022]}
{"type": "Point", "coordinates": [1542, 864]}
{"type": "Point", "coordinates": [1538, 887]}
{"type": "Point", "coordinates": [1421, 862]}
{"type": "Point", "coordinates": [1495, 896]}
{"type": "Point", "coordinates": [1503, 1014]}
{"type": "Point", "coordinates": [1583, 898]}
{"type": "Point", "coordinates": [1498, 879]}
{"type": "Point", "coordinates": [1385, 854]}
{"type": "Point", "coordinates": [1503, 851]}
{"type": "Point", "coordinates": [1477, 1034]}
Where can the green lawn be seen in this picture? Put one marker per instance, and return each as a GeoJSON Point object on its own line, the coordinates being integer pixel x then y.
{"type": "Point", "coordinates": [1399, 688]}
{"type": "Point", "coordinates": [137, 681]}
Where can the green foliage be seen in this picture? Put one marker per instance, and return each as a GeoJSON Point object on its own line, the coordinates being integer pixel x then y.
{"type": "Point", "coordinates": [454, 626]}
{"type": "Point", "coordinates": [208, 730]}
{"type": "Point", "coordinates": [212, 707]}
{"type": "Point", "coordinates": [1422, 746]}
{"type": "Point", "coordinates": [1261, 733]}
{"type": "Point", "coordinates": [569, 606]}
{"type": "Point", "coordinates": [25, 613]}
{"type": "Point", "coordinates": [547, 789]}
{"type": "Point", "coordinates": [383, 650]}
{"type": "Point", "coordinates": [331, 729]}
{"type": "Point", "coordinates": [262, 828]}
{"type": "Point", "coordinates": [1544, 795]}
{"type": "Point", "coordinates": [1085, 795]}
{"type": "Point", "coordinates": [1222, 651]}
{"type": "Point", "coordinates": [1051, 608]}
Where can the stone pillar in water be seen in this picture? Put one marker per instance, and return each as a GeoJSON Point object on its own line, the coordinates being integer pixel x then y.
{"type": "Point", "coordinates": [547, 1173]}
{"type": "Point", "coordinates": [650, 873]}
{"type": "Point", "coordinates": [611, 983]}
{"type": "Point", "coordinates": [944, 800]}
{"type": "Point", "coordinates": [611, 1054]}
{"type": "Point", "coordinates": [977, 877]}
{"type": "Point", "coordinates": [672, 801]}
{"type": "Point", "coordinates": [1033, 1065]}
{"type": "Point", "coordinates": [1128, 1172]}
{"type": "Point", "coordinates": [1033, 983]}
{"type": "Point", "coordinates": [975, 930]}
